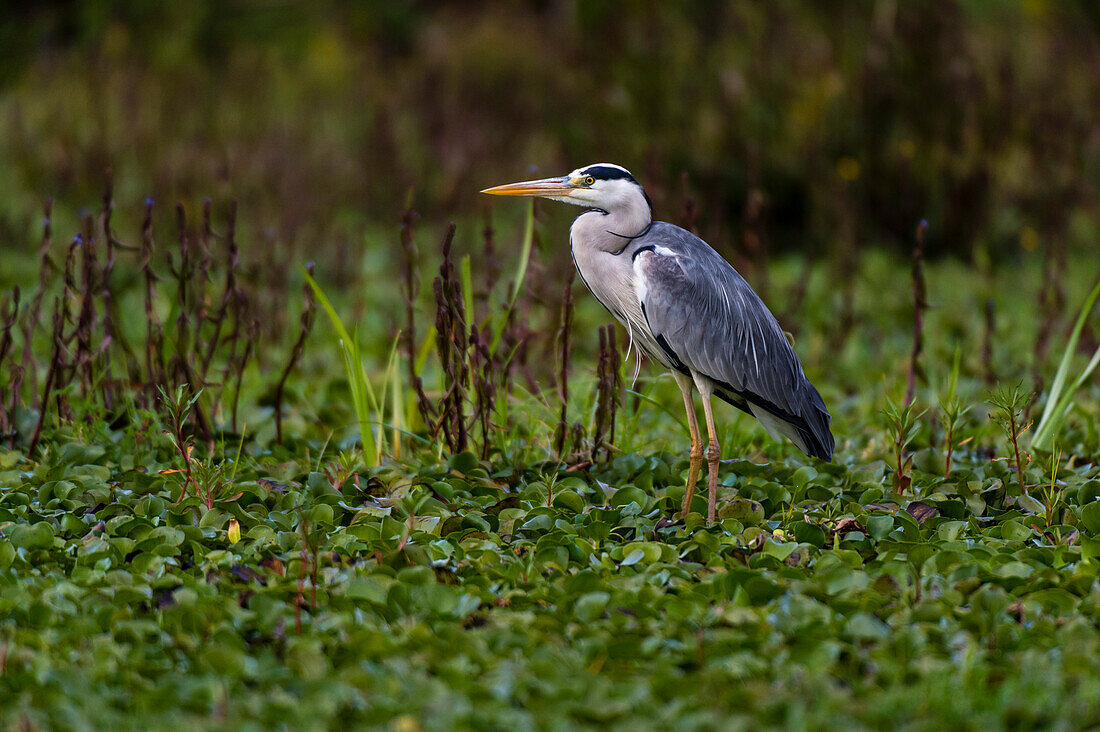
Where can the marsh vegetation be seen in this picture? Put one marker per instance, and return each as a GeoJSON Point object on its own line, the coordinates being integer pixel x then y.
{"type": "Point", "coordinates": [341, 444]}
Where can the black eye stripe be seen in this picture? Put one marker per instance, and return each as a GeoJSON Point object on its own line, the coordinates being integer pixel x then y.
{"type": "Point", "coordinates": [606, 172]}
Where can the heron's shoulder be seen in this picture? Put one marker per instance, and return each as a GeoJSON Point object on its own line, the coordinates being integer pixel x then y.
{"type": "Point", "coordinates": [690, 252]}
{"type": "Point", "coordinates": [662, 231]}
{"type": "Point", "coordinates": [676, 240]}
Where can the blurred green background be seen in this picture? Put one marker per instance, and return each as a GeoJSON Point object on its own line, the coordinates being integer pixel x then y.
{"type": "Point", "coordinates": [817, 125]}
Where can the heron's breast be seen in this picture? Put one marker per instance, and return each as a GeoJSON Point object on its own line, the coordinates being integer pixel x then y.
{"type": "Point", "coordinates": [607, 279]}
{"type": "Point", "coordinates": [611, 278]}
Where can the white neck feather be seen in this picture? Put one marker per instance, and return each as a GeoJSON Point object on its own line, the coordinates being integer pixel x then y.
{"type": "Point", "coordinates": [611, 226]}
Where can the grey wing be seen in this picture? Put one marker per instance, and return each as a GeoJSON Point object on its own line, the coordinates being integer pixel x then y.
{"type": "Point", "coordinates": [706, 318]}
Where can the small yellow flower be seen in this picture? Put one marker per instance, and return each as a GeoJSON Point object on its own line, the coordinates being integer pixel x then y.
{"type": "Point", "coordinates": [405, 723]}
{"type": "Point", "coordinates": [234, 531]}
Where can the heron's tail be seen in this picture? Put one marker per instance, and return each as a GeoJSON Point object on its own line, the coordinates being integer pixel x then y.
{"type": "Point", "coordinates": [816, 436]}
{"type": "Point", "coordinates": [807, 427]}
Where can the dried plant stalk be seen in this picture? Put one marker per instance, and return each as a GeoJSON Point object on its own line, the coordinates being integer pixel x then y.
{"type": "Point", "coordinates": [484, 384]}
{"type": "Point", "coordinates": [452, 346]}
{"type": "Point", "coordinates": [29, 367]}
{"type": "Point", "coordinates": [9, 315]}
{"type": "Point", "coordinates": [306, 325]}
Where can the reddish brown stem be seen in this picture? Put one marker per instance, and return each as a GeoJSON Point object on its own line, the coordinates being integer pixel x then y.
{"type": "Point", "coordinates": [1016, 432]}
{"type": "Point", "coordinates": [30, 324]}
{"type": "Point", "coordinates": [950, 448]}
{"type": "Point", "coordinates": [51, 374]}
{"type": "Point", "coordinates": [295, 354]}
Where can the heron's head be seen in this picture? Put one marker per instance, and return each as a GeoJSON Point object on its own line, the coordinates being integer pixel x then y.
{"type": "Point", "coordinates": [605, 186]}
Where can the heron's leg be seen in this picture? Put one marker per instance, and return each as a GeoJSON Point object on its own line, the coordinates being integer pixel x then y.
{"type": "Point", "coordinates": [713, 450]}
{"type": "Point", "coordinates": [685, 383]}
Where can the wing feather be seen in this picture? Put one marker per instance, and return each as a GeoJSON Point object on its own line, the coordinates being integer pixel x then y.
{"type": "Point", "coordinates": [698, 307]}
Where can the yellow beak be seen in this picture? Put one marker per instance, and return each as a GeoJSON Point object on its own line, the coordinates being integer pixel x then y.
{"type": "Point", "coordinates": [545, 187]}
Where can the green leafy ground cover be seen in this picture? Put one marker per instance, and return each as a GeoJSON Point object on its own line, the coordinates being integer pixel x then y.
{"type": "Point", "coordinates": [528, 598]}
{"type": "Point", "coordinates": [445, 591]}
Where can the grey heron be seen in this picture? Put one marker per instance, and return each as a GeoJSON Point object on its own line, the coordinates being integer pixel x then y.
{"type": "Point", "coordinates": [689, 310]}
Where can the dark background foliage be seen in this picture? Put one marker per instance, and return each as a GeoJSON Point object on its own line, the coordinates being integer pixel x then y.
{"type": "Point", "coordinates": [813, 123]}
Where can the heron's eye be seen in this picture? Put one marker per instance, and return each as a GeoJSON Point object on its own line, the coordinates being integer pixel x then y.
{"type": "Point", "coordinates": [589, 181]}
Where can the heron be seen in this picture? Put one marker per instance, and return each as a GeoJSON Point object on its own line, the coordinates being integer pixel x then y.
{"type": "Point", "coordinates": [687, 309]}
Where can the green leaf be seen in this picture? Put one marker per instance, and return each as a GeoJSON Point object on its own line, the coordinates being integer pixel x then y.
{"type": "Point", "coordinates": [880, 526]}
{"type": "Point", "coordinates": [418, 576]}
{"type": "Point", "coordinates": [591, 605]}
{"type": "Point", "coordinates": [1030, 505]}
{"type": "Point", "coordinates": [1090, 548]}
{"type": "Point", "coordinates": [864, 626]}
{"type": "Point", "coordinates": [463, 462]}
{"type": "Point", "coordinates": [1090, 517]}
{"type": "Point", "coordinates": [32, 536]}
{"type": "Point", "coordinates": [569, 500]}
{"type": "Point", "coordinates": [949, 530]}
{"type": "Point", "coordinates": [803, 476]}
{"type": "Point", "coordinates": [779, 549]}
{"type": "Point", "coordinates": [7, 553]}
{"type": "Point", "coordinates": [749, 513]}
{"type": "Point", "coordinates": [807, 533]}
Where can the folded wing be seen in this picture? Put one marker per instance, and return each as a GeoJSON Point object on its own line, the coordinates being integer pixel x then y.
{"type": "Point", "coordinates": [707, 319]}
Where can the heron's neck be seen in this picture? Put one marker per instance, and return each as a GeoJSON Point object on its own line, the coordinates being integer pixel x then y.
{"type": "Point", "coordinates": [613, 229]}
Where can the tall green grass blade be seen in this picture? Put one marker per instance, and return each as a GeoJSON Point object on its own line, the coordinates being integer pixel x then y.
{"type": "Point", "coordinates": [362, 395]}
{"type": "Point", "coordinates": [954, 375]}
{"type": "Point", "coordinates": [1066, 403]}
{"type": "Point", "coordinates": [321, 454]}
{"type": "Point", "coordinates": [521, 275]}
{"type": "Point", "coordinates": [353, 368]}
{"type": "Point", "coordinates": [240, 449]}
{"type": "Point", "coordinates": [661, 407]}
{"type": "Point", "coordinates": [337, 324]}
{"type": "Point", "coordinates": [398, 411]}
{"type": "Point", "coordinates": [425, 351]}
{"type": "Point", "coordinates": [373, 402]}
{"type": "Point", "coordinates": [467, 288]}
{"type": "Point", "coordinates": [391, 378]}
{"type": "Point", "coordinates": [1060, 398]}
